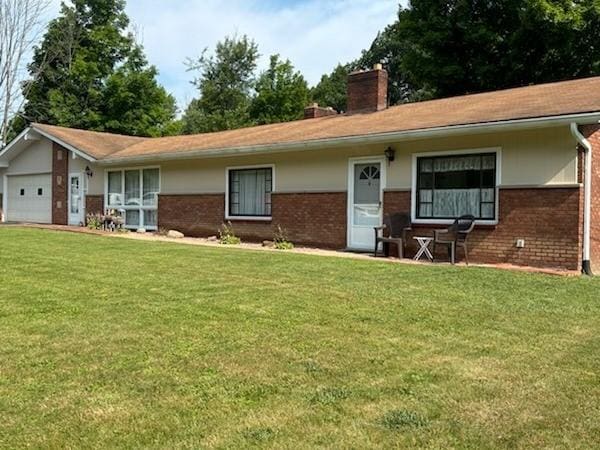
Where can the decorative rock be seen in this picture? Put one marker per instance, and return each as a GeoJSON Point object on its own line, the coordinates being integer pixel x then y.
{"type": "Point", "coordinates": [269, 244]}
{"type": "Point", "coordinates": [212, 238]}
{"type": "Point", "coordinates": [175, 234]}
{"type": "Point", "coordinates": [141, 230]}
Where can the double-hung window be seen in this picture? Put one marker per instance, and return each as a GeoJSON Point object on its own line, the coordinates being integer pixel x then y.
{"type": "Point", "coordinates": [135, 191]}
{"type": "Point", "coordinates": [450, 186]}
{"type": "Point", "coordinates": [249, 192]}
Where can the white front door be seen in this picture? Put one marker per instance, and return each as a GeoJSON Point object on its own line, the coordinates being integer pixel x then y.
{"type": "Point", "coordinates": [76, 199]}
{"type": "Point", "coordinates": [366, 181]}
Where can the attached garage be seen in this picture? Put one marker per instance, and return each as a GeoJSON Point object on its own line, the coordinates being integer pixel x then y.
{"type": "Point", "coordinates": [29, 198]}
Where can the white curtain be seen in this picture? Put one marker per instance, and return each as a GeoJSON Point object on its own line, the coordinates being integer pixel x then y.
{"type": "Point", "coordinates": [252, 196]}
{"type": "Point", "coordinates": [151, 187]}
{"type": "Point", "coordinates": [115, 188]}
{"type": "Point", "coordinates": [456, 202]}
{"type": "Point", "coordinates": [449, 203]}
{"type": "Point", "coordinates": [132, 187]}
{"type": "Point", "coordinates": [457, 164]}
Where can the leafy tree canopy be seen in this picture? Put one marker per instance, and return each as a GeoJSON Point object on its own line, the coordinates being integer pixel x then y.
{"type": "Point", "coordinates": [281, 94]}
{"type": "Point", "coordinates": [441, 48]}
{"type": "Point", "coordinates": [225, 84]}
{"type": "Point", "coordinates": [331, 89]}
{"type": "Point", "coordinates": [89, 73]}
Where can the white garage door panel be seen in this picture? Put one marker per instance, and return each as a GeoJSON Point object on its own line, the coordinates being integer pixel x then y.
{"type": "Point", "coordinates": [29, 198]}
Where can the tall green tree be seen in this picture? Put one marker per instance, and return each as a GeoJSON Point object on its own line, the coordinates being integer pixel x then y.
{"type": "Point", "coordinates": [89, 73]}
{"type": "Point", "coordinates": [281, 94]}
{"type": "Point", "coordinates": [389, 49]}
{"type": "Point", "coordinates": [225, 83]}
{"type": "Point", "coordinates": [440, 48]}
{"type": "Point", "coordinates": [331, 89]}
{"type": "Point", "coordinates": [452, 47]}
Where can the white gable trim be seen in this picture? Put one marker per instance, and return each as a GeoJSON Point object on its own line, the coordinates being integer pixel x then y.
{"type": "Point", "coordinates": [24, 137]}
{"type": "Point", "coordinates": [12, 143]}
{"type": "Point", "coordinates": [65, 145]}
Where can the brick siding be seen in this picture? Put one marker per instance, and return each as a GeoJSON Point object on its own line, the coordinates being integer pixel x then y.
{"type": "Point", "coordinates": [60, 175]}
{"type": "Point", "coordinates": [315, 111]}
{"type": "Point", "coordinates": [592, 133]}
{"type": "Point", "coordinates": [94, 204]}
{"type": "Point", "coordinates": [316, 219]}
{"type": "Point", "coordinates": [367, 91]}
{"type": "Point", "coordinates": [547, 219]}
{"type": "Point", "coordinates": [308, 218]}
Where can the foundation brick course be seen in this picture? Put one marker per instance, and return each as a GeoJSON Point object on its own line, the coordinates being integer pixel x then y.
{"type": "Point", "coordinates": [317, 219]}
{"type": "Point", "coordinates": [547, 219]}
{"type": "Point", "coordinates": [94, 204]}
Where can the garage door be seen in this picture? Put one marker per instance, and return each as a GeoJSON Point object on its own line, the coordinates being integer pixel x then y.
{"type": "Point", "coordinates": [29, 198]}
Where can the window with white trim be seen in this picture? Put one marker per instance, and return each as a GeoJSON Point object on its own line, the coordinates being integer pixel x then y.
{"type": "Point", "coordinates": [135, 191]}
{"type": "Point", "coordinates": [249, 192]}
{"type": "Point", "coordinates": [454, 185]}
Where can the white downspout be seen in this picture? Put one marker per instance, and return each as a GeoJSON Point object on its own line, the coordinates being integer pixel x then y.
{"type": "Point", "coordinates": [587, 196]}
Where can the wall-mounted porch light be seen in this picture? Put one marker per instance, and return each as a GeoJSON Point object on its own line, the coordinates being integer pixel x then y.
{"type": "Point", "coordinates": [89, 172]}
{"type": "Point", "coordinates": [390, 154]}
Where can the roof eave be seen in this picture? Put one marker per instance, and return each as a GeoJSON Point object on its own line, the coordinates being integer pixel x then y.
{"type": "Point", "coordinates": [64, 144]}
{"type": "Point", "coordinates": [483, 127]}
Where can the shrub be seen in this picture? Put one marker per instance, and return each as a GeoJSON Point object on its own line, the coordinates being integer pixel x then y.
{"type": "Point", "coordinates": [94, 221]}
{"type": "Point", "coordinates": [227, 235]}
{"type": "Point", "coordinates": [281, 241]}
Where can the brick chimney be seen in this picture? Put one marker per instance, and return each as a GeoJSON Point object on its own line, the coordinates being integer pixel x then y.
{"type": "Point", "coordinates": [367, 90]}
{"type": "Point", "coordinates": [313, 111]}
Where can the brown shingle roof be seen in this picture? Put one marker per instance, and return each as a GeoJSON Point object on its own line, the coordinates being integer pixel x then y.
{"type": "Point", "coordinates": [94, 143]}
{"type": "Point", "coordinates": [554, 99]}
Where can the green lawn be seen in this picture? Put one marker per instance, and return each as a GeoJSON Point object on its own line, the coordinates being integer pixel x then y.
{"type": "Point", "coordinates": [120, 343]}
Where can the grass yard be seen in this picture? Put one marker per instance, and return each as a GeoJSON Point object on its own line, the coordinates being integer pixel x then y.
{"type": "Point", "coordinates": [119, 343]}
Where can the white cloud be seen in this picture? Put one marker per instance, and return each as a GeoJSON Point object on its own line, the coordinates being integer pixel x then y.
{"type": "Point", "coordinates": [314, 34]}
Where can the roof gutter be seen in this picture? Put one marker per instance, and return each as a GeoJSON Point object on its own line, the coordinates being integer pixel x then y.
{"type": "Point", "coordinates": [389, 137]}
{"type": "Point", "coordinates": [587, 197]}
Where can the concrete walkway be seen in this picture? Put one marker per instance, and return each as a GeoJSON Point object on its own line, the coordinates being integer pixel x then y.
{"type": "Point", "coordinates": [154, 237]}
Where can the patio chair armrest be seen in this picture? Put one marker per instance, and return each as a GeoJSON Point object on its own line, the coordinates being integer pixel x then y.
{"type": "Point", "coordinates": [436, 233]}
{"type": "Point", "coordinates": [404, 231]}
{"type": "Point", "coordinates": [379, 231]}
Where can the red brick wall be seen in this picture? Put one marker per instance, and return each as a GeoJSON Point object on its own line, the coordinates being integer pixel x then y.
{"type": "Point", "coordinates": [592, 133]}
{"type": "Point", "coordinates": [94, 204]}
{"type": "Point", "coordinates": [60, 163]}
{"type": "Point", "coordinates": [317, 219]}
{"type": "Point", "coordinates": [194, 215]}
{"type": "Point", "coordinates": [315, 111]}
{"type": "Point", "coordinates": [548, 220]}
{"type": "Point", "coordinates": [367, 91]}
{"type": "Point", "coordinates": [308, 218]}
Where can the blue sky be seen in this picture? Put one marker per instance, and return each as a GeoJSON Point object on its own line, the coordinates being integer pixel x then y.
{"type": "Point", "coordinates": [314, 34]}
